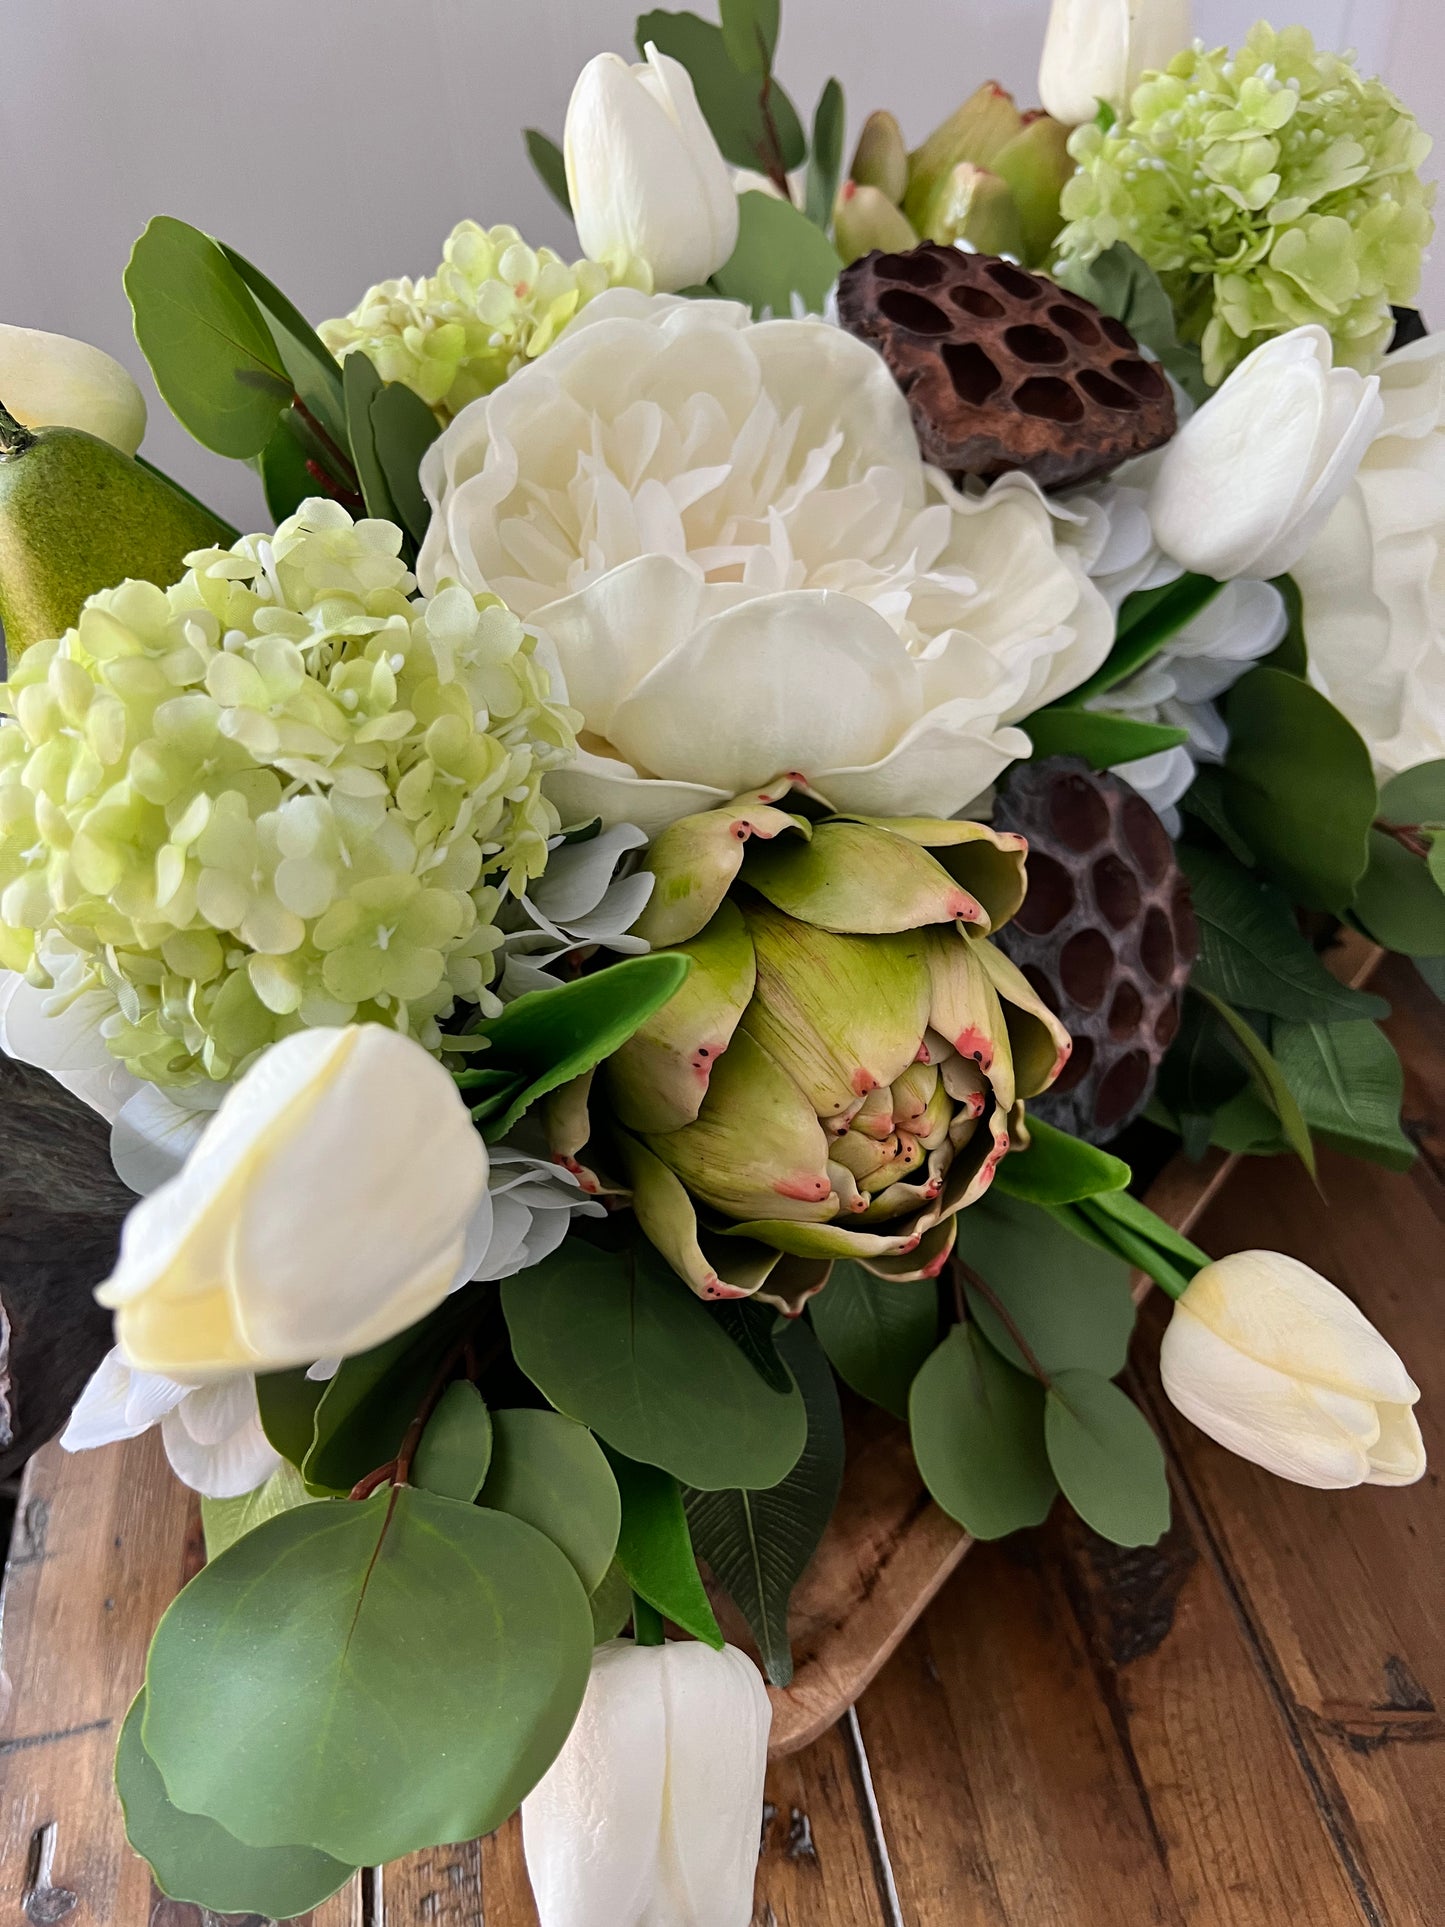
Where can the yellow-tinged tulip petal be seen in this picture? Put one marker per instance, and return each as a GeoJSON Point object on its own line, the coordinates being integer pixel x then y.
{"type": "Point", "coordinates": [53, 381]}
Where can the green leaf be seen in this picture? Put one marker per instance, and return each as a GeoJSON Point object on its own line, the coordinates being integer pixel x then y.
{"type": "Point", "coordinates": [227, 1520]}
{"type": "Point", "coordinates": [654, 1548]}
{"type": "Point", "coordinates": [1096, 1221]}
{"type": "Point", "coordinates": [287, 1402]}
{"type": "Point", "coordinates": [1148, 619]}
{"type": "Point", "coordinates": [1201, 1072]}
{"type": "Point", "coordinates": [752, 1326]}
{"type": "Point", "coordinates": [1204, 801]}
{"type": "Point", "coordinates": [1104, 741]}
{"type": "Point", "coordinates": [779, 253]}
{"type": "Point", "coordinates": [1350, 1087]}
{"type": "Point", "coordinates": [366, 1408]}
{"type": "Point", "coordinates": [403, 428]}
{"type": "Point", "coordinates": [825, 164]}
{"type": "Point", "coordinates": [374, 1676]}
{"type": "Point", "coordinates": [1058, 1169]}
{"type": "Point", "coordinates": [1400, 902]}
{"type": "Point", "coordinates": [750, 33]}
{"type": "Point", "coordinates": [730, 97]}
{"type": "Point", "coordinates": [551, 1472]}
{"type": "Point", "coordinates": [284, 475]}
{"type": "Point", "coordinates": [612, 1605]}
{"type": "Point", "coordinates": [1415, 796]}
{"type": "Point", "coordinates": [456, 1447]}
{"type": "Point", "coordinates": [758, 1544]}
{"type": "Point", "coordinates": [314, 371]}
{"type": "Point", "coordinates": [1299, 787]}
{"type": "Point", "coordinates": [617, 1341]}
{"type": "Point", "coordinates": [207, 343]}
{"type": "Point", "coordinates": [194, 1859]}
{"type": "Point", "coordinates": [1124, 286]}
{"type": "Point", "coordinates": [1122, 1207]}
{"type": "Point", "coordinates": [877, 1333]}
{"type": "Point", "coordinates": [978, 1437]}
{"type": "Point", "coordinates": [1252, 954]}
{"type": "Point", "coordinates": [1269, 1079]}
{"type": "Point", "coordinates": [1106, 1459]}
{"type": "Point", "coordinates": [550, 167]}
{"type": "Point", "coordinates": [1432, 973]}
{"type": "Point", "coordinates": [363, 385]}
{"type": "Point", "coordinates": [1293, 654]}
{"type": "Point", "coordinates": [547, 1037]}
{"type": "Point", "coordinates": [1070, 1301]}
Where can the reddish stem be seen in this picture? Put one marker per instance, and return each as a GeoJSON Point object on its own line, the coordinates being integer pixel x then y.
{"type": "Point", "coordinates": [991, 1298]}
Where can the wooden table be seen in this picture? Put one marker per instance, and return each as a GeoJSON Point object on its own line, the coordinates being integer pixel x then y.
{"type": "Point", "coordinates": [1238, 1728]}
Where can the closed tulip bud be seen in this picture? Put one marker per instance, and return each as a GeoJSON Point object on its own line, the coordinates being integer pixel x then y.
{"type": "Point", "coordinates": [1099, 50]}
{"type": "Point", "coordinates": [327, 1206]}
{"type": "Point", "coordinates": [881, 158]}
{"type": "Point", "coordinates": [977, 131]}
{"type": "Point", "coordinates": [648, 183]}
{"type": "Point", "coordinates": [864, 218]}
{"type": "Point", "coordinates": [1272, 1361]}
{"type": "Point", "coordinates": [51, 381]}
{"type": "Point", "coordinates": [1035, 165]}
{"type": "Point", "coordinates": [975, 206]}
{"type": "Point", "coordinates": [1251, 480]}
{"type": "Point", "coordinates": [649, 1816]}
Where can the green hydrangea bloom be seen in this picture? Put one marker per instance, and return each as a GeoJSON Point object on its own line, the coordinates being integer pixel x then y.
{"type": "Point", "coordinates": [287, 791]}
{"type": "Point", "coordinates": [1267, 188]}
{"type": "Point", "coordinates": [493, 305]}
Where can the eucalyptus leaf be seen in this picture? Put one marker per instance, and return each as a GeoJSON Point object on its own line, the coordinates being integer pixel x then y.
{"type": "Point", "coordinates": [550, 167]}
{"type": "Point", "coordinates": [551, 1472]}
{"type": "Point", "coordinates": [1299, 788]}
{"type": "Point", "coordinates": [314, 371]}
{"type": "Point", "coordinates": [362, 386]}
{"type": "Point", "coordinates": [1350, 1086]}
{"type": "Point", "coordinates": [611, 1605]}
{"type": "Point", "coordinates": [750, 33]}
{"type": "Point", "coordinates": [456, 1447]}
{"type": "Point", "coordinates": [1058, 1169]}
{"type": "Point", "coordinates": [758, 1544]}
{"type": "Point", "coordinates": [731, 97]}
{"type": "Point", "coordinates": [617, 1341]}
{"type": "Point", "coordinates": [367, 1407]}
{"type": "Point", "coordinates": [1148, 620]}
{"type": "Point", "coordinates": [224, 1521]}
{"type": "Point", "coordinates": [287, 1403]}
{"type": "Point", "coordinates": [376, 1677]}
{"type": "Point", "coordinates": [194, 1859]}
{"type": "Point", "coordinates": [1126, 287]}
{"type": "Point", "coordinates": [825, 162]}
{"type": "Point", "coordinates": [403, 428]}
{"type": "Point", "coordinates": [1401, 902]}
{"type": "Point", "coordinates": [1103, 740]}
{"type": "Point", "coordinates": [213, 357]}
{"type": "Point", "coordinates": [779, 254]}
{"type": "Point", "coordinates": [1270, 1080]}
{"type": "Point", "coordinates": [654, 1548]}
{"type": "Point", "coordinates": [1107, 1460]}
{"type": "Point", "coordinates": [877, 1333]}
{"type": "Point", "coordinates": [285, 478]}
{"type": "Point", "coordinates": [978, 1436]}
{"type": "Point", "coordinates": [1070, 1301]}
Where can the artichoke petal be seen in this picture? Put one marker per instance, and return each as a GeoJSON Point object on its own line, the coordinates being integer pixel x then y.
{"type": "Point", "coordinates": [827, 1240]}
{"type": "Point", "coordinates": [1040, 1043]}
{"type": "Point", "coordinates": [696, 862]}
{"type": "Point", "coordinates": [992, 865]}
{"type": "Point", "coordinates": [659, 1078]}
{"type": "Point", "coordinates": [795, 1281]}
{"type": "Point", "coordinates": [917, 1267]}
{"type": "Point", "coordinates": [967, 1011]}
{"type": "Point", "coordinates": [667, 1217]}
{"type": "Point", "coordinates": [860, 879]}
{"type": "Point", "coordinates": [567, 1122]}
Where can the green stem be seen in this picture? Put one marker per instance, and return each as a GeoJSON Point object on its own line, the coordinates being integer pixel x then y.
{"type": "Point", "coordinates": [646, 1623]}
{"type": "Point", "coordinates": [15, 438]}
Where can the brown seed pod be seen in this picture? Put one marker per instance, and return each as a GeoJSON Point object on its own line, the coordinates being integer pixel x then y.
{"type": "Point", "coordinates": [1107, 936]}
{"type": "Point", "coordinates": [1005, 370]}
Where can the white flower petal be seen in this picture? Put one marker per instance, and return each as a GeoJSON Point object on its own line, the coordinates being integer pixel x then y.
{"type": "Point", "coordinates": [152, 1137]}
{"type": "Point", "coordinates": [61, 1034]}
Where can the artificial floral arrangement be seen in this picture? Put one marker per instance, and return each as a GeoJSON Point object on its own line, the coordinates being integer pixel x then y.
{"type": "Point", "coordinates": [744, 763]}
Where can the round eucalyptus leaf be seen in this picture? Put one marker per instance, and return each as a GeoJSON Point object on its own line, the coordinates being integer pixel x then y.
{"type": "Point", "coordinates": [456, 1447]}
{"type": "Point", "coordinates": [978, 1437]}
{"type": "Point", "coordinates": [1106, 1458]}
{"type": "Point", "coordinates": [550, 1471]}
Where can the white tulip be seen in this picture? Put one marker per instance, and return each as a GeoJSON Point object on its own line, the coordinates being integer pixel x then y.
{"type": "Point", "coordinates": [330, 1203]}
{"type": "Point", "coordinates": [1249, 481]}
{"type": "Point", "coordinates": [650, 1815]}
{"type": "Point", "coordinates": [647, 181]}
{"type": "Point", "coordinates": [52, 381]}
{"type": "Point", "coordinates": [1099, 50]}
{"type": "Point", "coordinates": [1274, 1362]}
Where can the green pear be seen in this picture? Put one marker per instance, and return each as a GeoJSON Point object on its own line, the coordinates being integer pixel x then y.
{"type": "Point", "coordinates": [76, 515]}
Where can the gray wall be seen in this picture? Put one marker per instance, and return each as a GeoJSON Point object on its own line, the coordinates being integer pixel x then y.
{"type": "Point", "coordinates": [336, 141]}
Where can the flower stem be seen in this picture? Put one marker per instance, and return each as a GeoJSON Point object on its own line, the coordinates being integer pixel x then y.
{"type": "Point", "coordinates": [15, 438]}
{"type": "Point", "coordinates": [646, 1623]}
{"type": "Point", "coordinates": [1409, 836]}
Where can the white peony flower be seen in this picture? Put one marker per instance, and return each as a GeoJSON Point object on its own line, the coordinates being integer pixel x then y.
{"type": "Point", "coordinates": [1374, 581]}
{"type": "Point", "coordinates": [1099, 50]}
{"type": "Point", "coordinates": [53, 381]}
{"type": "Point", "coordinates": [1248, 483]}
{"type": "Point", "coordinates": [725, 531]}
{"type": "Point", "coordinates": [212, 1433]}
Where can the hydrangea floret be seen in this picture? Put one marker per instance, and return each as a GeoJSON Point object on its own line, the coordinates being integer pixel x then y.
{"type": "Point", "coordinates": [493, 305]}
{"type": "Point", "coordinates": [287, 791]}
{"type": "Point", "coordinates": [1267, 188]}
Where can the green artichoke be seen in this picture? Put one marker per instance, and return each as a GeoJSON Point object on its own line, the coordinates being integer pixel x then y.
{"type": "Point", "coordinates": [840, 1073]}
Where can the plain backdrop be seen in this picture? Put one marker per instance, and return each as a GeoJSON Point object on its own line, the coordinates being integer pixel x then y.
{"type": "Point", "coordinates": [336, 142]}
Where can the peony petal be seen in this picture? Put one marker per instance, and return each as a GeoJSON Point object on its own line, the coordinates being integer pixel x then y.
{"type": "Point", "coordinates": [939, 766]}
{"type": "Point", "coordinates": [594, 786]}
{"type": "Point", "coordinates": [623, 624]}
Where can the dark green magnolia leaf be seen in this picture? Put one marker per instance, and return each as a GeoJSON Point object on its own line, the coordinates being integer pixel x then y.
{"type": "Point", "coordinates": [825, 164]}
{"type": "Point", "coordinates": [284, 475]}
{"type": "Point", "coordinates": [1299, 788]}
{"type": "Point", "coordinates": [1127, 288]}
{"type": "Point", "coordinates": [194, 1859]}
{"type": "Point", "coordinates": [547, 1037]}
{"type": "Point", "coordinates": [750, 33]}
{"type": "Point", "coordinates": [456, 1447]}
{"type": "Point", "coordinates": [1201, 1072]}
{"type": "Point", "coordinates": [367, 1407]}
{"type": "Point", "coordinates": [551, 169]}
{"type": "Point", "coordinates": [227, 1520]}
{"type": "Point", "coordinates": [752, 1328]}
{"type": "Point", "coordinates": [212, 355]}
{"type": "Point", "coordinates": [403, 428]}
{"type": "Point", "coordinates": [978, 1437]}
{"type": "Point", "coordinates": [1106, 1459]}
{"type": "Point", "coordinates": [730, 97]}
{"type": "Point", "coordinates": [654, 1549]}
{"type": "Point", "coordinates": [1292, 654]}
{"type": "Point", "coordinates": [1252, 955]}
{"type": "Point", "coordinates": [287, 1402]}
{"type": "Point", "coordinates": [1104, 741]}
{"type": "Point", "coordinates": [1270, 1080]}
{"type": "Point", "coordinates": [1247, 1125]}
{"type": "Point", "coordinates": [314, 371]}
{"type": "Point", "coordinates": [758, 1544]}
{"type": "Point", "coordinates": [375, 1676]}
{"type": "Point", "coordinates": [1058, 1169]}
{"type": "Point", "coordinates": [877, 1333]}
{"type": "Point", "coordinates": [1069, 1300]}
{"type": "Point", "coordinates": [1148, 619]}
{"type": "Point", "coordinates": [618, 1342]}
{"type": "Point", "coordinates": [550, 1471]}
{"type": "Point", "coordinates": [779, 253]}
{"type": "Point", "coordinates": [1350, 1087]}
{"type": "Point", "coordinates": [612, 1605]}
{"type": "Point", "coordinates": [1204, 801]}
